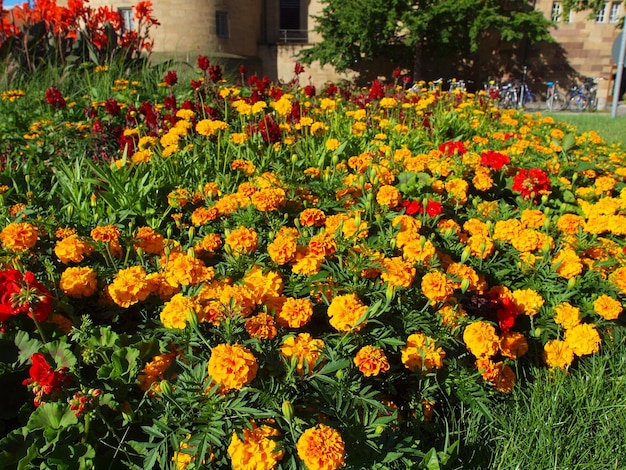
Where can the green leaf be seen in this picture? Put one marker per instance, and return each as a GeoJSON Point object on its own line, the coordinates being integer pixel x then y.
{"type": "Point", "coordinates": [27, 346]}
{"type": "Point", "coordinates": [61, 354]}
{"type": "Point", "coordinates": [51, 415]}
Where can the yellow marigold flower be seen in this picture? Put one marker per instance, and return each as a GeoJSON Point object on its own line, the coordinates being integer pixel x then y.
{"type": "Point", "coordinates": [321, 448]}
{"type": "Point", "coordinates": [437, 287]}
{"type": "Point", "coordinates": [558, 354]}
{"type": "Point", "coordinates": [259, 449]}
{"type": "Point", "coordinates": [149, 240]}
{"type": "Point", "coordinates": [359, 128]}
{"type": "Point", "coordinates": [19, 236]}
{"type": "Point", "coordinates": [513, 345]}
{"type": "Point", "coordinates": [263, 284]}
{"type": "Point", "coordinates": [419, 250]}
{"type": "Point", "coordinates": [371, 361]}
{"type": "Point", "coordinates": [304, 348]}
{"type": "Point", "coordinates": [204, 215]}
{"type": "Point", "coordinates": [398, 273]}
{"type": "Point", "coordinates": [463, 272]}
{"type": "Point", "coordinates": [388, 196]}
{"type": "Point", "coordinates": [155, 370]}
{"type": "Point", "coordinates": [583, 339]}
{"type": "Point", "coordinates": [607, 307]}
{"type": "Point", "coordinates": [261, 326]}
{"type": "Point", "coordinates": [567, 315]}
{"type": "Point", "coordinates": [457, 188]}
{"type": "Point", "coordinates": [618, 279]}
{"type": "Point", "coordinates": [209, 127]}
{"type": "Point", "coordinates": [476, 227]}
{"type": "Point", "coordinates": [268, 199]}
{"type": "Point", "coordinates": [295, 313]}
{"type": "Point", "coordinates": [283, 249]}
{"type": "Point", "coordinates": [129, 286]}
{"type": "Point", "coordinates": [507, 230]}
{"type": "Point", "coordinates": [79, 282]}
{"type": "Point", "coordinates": [482, 179]}
{"type": "Point", "coordinates": [420, 353]}
{"type": "Point", "coordinates": [242, 240]}
{"type": "Point", "coordinates": [64, 232]}
{"type": "Point", "coordinates": [480, 246]}
{"type": "Point", "coordinates": [12, 95]}
{"type": "Point", "coordinates": [306, 262]}
{"type": "Point", "coordinates": [332, 144]}
{"type": "Point", "coordinates": [176, 311]}
{"type": "Point", "coordinates": [72, 249]}
{"type": "Point", "coordinates": [345, 311]}
{"type": "Point", "coordinates": [528, 301]}
{"type": "Point", "coordinates": [450, 314]}
{"type": "Point", "coordinates": [567, 263]}
{"type": "Point", "coordinates": [282, 106]}
{"type": "Point", "coordinates": [239, 138]}
{"type": "Point", "coordinates": [232, 367]}
{"type": "Point", "coordinates": [533, 218]}
{"type": "Point", "coordinates": [481, 339]}
{"type": "Point", "coordinates": [178, 198]}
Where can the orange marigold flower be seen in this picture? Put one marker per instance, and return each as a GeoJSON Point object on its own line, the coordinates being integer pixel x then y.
{"type": "Point", "coordinates": [567, 315]}
{"type": "Point", "coordinates": [371, 361]}
{"type": "Point", "coordinates": [420, 353]}
{"type": "Point", "coordinates": [204, 215]}
{"type": "Point", "coordinates": [155, 370]}
{"type": "Point", "coordinates": [72, 249]}
{"type": "Point", "coordinates": [481, 339]}
{"type": "Point", "coordinates": [232, 367]}
{"type": "Point", "coordinates": [533, 218]}
{"type": "Point", "coordinates": [64, 232]}
{"type": "Point", "coordinates": [388, 196]}
{"type": "Point", "coordinates": [312, 218]}
{"type": "Point", "coordinates": [570, 223]}
{"type": "Point", "coordinates": [245, 165]}
{"type": "Point", "coordinates": [567, 263]}
{"type": "Point", "coordinates": [437, 287]}
{"type": "Point", "coordinates": [607, 307]}
{"type": "Point", "coordinates": [268, 199]}
{"type": "Point", "coordinates": [181, 269]}
{"type": "Point", "coordinates": [398, 273]}
{"type": "Point", "coordinates": [497, 373]}
{"type": "Point", "coordinates": [79, 282]}
{"type": "Point", "coordinates": [106, 233]}
{"type": "Point", "coordinates": [176, 311]}
{"type": "Point", "coordinates": [305, 349]}
{"type": "Point", "coordinates": [209, 244]}
{"type": "Point", "coordinates": [295, 313]}
{"type": "Point", "coordinates": [19, 236]}
{"type": "Point", "coordinates": [306, 263]}
{"type": "Point", "coordinates": [263, 284]}
{"type": "Point", "coordinates": [513, 345]}
{"type": "Point", "coordinates": [242, 240]}
{"type": "Point", "coordinates": [129, 286]}
{"type": "Point", "coordinates": [480, 246]}
{"type": "Point", "coordinates": [259, 449]}
{"type": "Point", "coordinates": [583, 339]}
{"type": "Point", "coordinates": [282, 249]}
{"type": "Point", "coordinates": [178, 198]}
{"type": "Point", "coordinates": [209, 127]}
{"type": "Point", "coordinates": [321, 448]}
{"type": "Point", "coordinates": [149, 240]}
{"type": "Point", "coordinates": [618, 279]}
{"type": "Point", "coordinates": [323, 245]}
{"type": "Point", "coordinates": [558, 354]}
{"type": "Point", "coordinates": [345, 311]}
{"type": "Point", "coordinates": [261, 326]}
{"type": "Point", "coordinates": [506, 230]}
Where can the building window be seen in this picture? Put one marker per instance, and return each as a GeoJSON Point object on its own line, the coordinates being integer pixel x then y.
{"type": "Point", "coordinates": [126, 14]}
{"type": "Point", "coordinates": [601, 15]}
{"type": "Point", "coordinates": [557, 11]}
{"type": "Point", "coordinates": [615, 12]}
{"type": "Point", "coordinates": [290, 14]}
{"type": "Point", "coordinates": [221, 24]}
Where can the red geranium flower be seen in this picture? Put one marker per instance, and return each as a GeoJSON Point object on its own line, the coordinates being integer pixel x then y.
{"type": "Point", "coordinates": [22, 293]}
{"type": "Point", "coordinates": [531, 183]}
{"type": "Point", "coordinates": [452, 147]}
{"type": "Point", "coordinates": [44, 380]}
{"type": "Point", "coordinates": [495, 160]}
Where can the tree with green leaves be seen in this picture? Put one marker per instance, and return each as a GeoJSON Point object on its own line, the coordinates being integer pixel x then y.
{"type": "Point", "coordinates": [411, 32]}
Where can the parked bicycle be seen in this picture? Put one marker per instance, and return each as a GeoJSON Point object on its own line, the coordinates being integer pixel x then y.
{"type": "Point", "coordinates": [555, 101]}
{"type": "Point", "coordinates": [583, 97]}
{"type": "Point", "coordinates": [518, 95]}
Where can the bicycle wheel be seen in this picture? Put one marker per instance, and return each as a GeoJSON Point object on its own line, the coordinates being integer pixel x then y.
{"type": "Point", "coordinates": [532, 102]}
{"type": "Point", "coordinates": [578, 103]}
{"type": "Point", "coordinates": [556, 102]}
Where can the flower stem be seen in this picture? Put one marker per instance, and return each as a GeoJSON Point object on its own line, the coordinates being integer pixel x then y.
{"type": "Point", "coordinates": [38, 325]}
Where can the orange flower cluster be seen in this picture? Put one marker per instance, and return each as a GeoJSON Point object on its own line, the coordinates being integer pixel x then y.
{"type": "Point", "coordinates": [232, 366]}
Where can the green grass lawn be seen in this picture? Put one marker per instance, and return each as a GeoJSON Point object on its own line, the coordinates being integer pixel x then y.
{"type": "Point", "coordinates": [612, 129]}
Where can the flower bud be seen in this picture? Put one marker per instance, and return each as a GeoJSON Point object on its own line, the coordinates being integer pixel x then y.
{"type": "Point", "coordinates": [192, 318]}
{"type": "Point", "coordinates": [287, 408]}
{"type": "Point", "coordinates": [294, 158]}
{"type": "Point", "coordinates": [465, 254]}
{"type": "Point", "coordinates": [166, 387]}
{"type": "Point", "coordinates": [571, 283]}
{"type": "Point", "coordinates": [465, 283]}
{"type": "Point", "coordinates": [339, 374]}
{"type": "Point", "coordinates": [191, 232]}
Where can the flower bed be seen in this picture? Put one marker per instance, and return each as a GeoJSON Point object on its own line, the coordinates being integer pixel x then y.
{"type": "Point", "coordinates": [264, 276]}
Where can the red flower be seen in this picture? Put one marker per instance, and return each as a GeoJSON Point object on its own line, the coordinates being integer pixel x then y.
{"type": "Point", "coordinates": [44, 380]}
{"type": "Point", "coordinates": [452, 147]}
{"type": "Point", "coordinates": [531, 183]}
{"type": "Point", "coordinates": [54, 98]}
{"type": "Point", "coordinates": [298, 68]}
{"type": "Point", "coordinates": [309, 90]}
{"type": "Point", "coordinates": [171, 78]}
{"type": "Point", "coordinates": [203, 62]}
{"type": "Point", "coordinates": [22, 293]}
{"type": "Point", "coordinates": [433, 208]}
{"type": "Point", "coordinates": [506, 313]}
{"type": "Point", "coordinates": [494, 160]}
